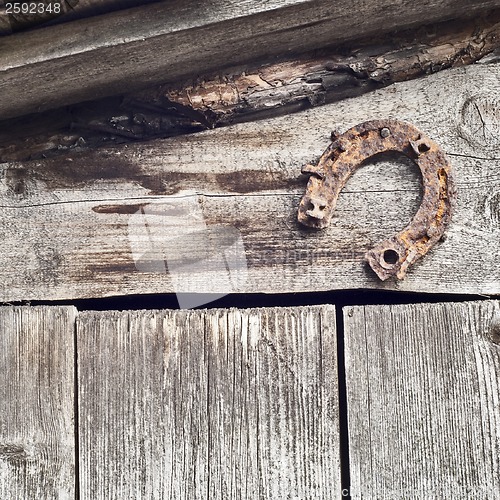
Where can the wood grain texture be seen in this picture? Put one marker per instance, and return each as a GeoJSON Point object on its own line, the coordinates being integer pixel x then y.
{"type": "Point", "coordinates": [423, 385]}
{"type": "Point", "coordinates": [251, 92]}
{"type": "Point", "coordinates": [46, 12]}
{"type": "Point", "coordinates": [66, 224]}
{"type": "Point", "coordinates": [136, 48]}
{"type": "Point", "coordinates": [37, 436]}
{"type": "Point", "coordinates": [215, 404]}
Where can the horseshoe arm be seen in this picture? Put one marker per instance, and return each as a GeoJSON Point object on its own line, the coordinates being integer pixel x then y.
{"type": "Point", "coordinates": [347, 152]}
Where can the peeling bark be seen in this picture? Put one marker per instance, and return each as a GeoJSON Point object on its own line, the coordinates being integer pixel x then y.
{"type": "Point", "coordinates": [331, 75]}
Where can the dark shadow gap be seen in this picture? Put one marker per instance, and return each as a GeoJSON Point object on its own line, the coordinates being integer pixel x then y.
{"type": "Point", "coordinates": [76, 415]}
{"type": "Point", "coordinates": [339, 298]}
{"type": "Point", "coordinates": [345, 472]}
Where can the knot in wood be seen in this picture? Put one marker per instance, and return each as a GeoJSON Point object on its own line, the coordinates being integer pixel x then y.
{"type": "Point", "coordinates": [494, 332]}
{"type": "Point", "coordinates": [480, 122]}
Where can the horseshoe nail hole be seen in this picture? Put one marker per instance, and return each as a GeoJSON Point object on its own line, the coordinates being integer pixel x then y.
{"type": "Point", "coordinates": [312, 206]}
{"type": "Point", "coordinates": [391, 257]}
{"type": "Point", "coordinates": [423, 147]}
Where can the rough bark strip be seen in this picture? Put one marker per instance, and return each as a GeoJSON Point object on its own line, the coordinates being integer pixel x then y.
{"type": "Point", "coordinates": [136, 48]}
{"type": "Point", "coordinates": [423, 385]}
{"type": "Point", "coordinates": [328, 75]}
{"type": "Point", "coordinates": [212, 404]}
{"type": "Point", "coordinates": [37, 437]}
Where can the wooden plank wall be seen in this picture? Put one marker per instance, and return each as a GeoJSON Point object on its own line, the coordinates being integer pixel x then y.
{"type": "Point", "coordinates": [423, 399]}
{"type": "Point", "coordinates": [247, 178]}
{"type": "Point", "coordinates": [215, 404]}
{"type": "Point", "coordinates": [244, 403]}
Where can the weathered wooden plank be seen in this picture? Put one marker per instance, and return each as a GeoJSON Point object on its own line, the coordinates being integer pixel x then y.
{"type": "Point", "coordinates": [37, 435]}
{"type": "Point", "coordinates": [136, 48]}
{"type": "Point", "coordinates": [68, 227]}
{"type": "Point", "coordinates": [423, 385]}
{"type": "Point", "coordinates": [208, 404]}
{"type": "Point", "coordinates": [261, 92]}
{"type": "Point", "coordinates": [23, 15]}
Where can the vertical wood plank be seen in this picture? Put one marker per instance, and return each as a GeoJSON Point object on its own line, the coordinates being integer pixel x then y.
{"type": "Point", "coordinates": [423, 390]}
{"type": "Point", "coordinates": [217, 404]}
{"type": "Point", "coordinates": [37, 438]}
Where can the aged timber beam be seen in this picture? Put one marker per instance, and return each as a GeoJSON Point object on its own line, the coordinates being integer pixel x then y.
{"type": "Point", "coordinates": [328, 75]}
{"type": "Point", "coordinates": [17, 16]}
{"type": "Point", "coordinates": [257, 92]}
{"type": "Point", "coordinates": [136, 48]}
{"type": "Point", "coordinates": [152, 217]}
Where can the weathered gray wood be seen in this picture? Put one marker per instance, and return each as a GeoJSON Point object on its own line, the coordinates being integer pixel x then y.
{"type": "Point", "coordinates": [212, 404]}
{"type": "Point", "coordinates": [423, 385]}
{"type": "Point", "coordinates": [64, 230]}
{"type": "Point", "coordinates": [249, 93]}
{"type": "Point", "coordinates": [37, 436]}
{"type": "Point", "coordinates": [46, 12]}
{"type": "Point", "coordinates": [136, 48]}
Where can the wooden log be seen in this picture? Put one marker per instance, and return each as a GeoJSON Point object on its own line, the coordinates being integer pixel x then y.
{"type": "Point", "coordinates": [255, 93]}
{"type": "Point", "coordinates": [327, 75]}
{"type": "Point", "coordinates": [208, 404]}
{"type": "Point", "coordinates": [423, 385]}
{"type": "Point", "coordinates": [77, 226]}
{"type": "Point", "coordinates": [136, 48]}
{"type": "Point", "coordinates": [37, 434]}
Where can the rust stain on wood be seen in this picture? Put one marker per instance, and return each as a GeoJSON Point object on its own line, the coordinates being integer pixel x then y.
{"type": "Point", "coordinates": [118, 209]}
{"type": "Point", "coordinates": [119, 268]}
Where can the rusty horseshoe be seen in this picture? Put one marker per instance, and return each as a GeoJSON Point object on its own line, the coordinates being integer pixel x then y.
{"type": "Point", "coordinates": [348, 151]}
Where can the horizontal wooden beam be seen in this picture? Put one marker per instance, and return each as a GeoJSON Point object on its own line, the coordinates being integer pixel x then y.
{"type": "Point", "coordinates": [126, 220]}
{"type": "Point", "coordinates": [260, 92]}
{"type": "Point", "coordinates": [136, 48]}
{"type": "Point", "coordinates": [14, 16]}
{"type": "Point", "coordinates": [327, 75]}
